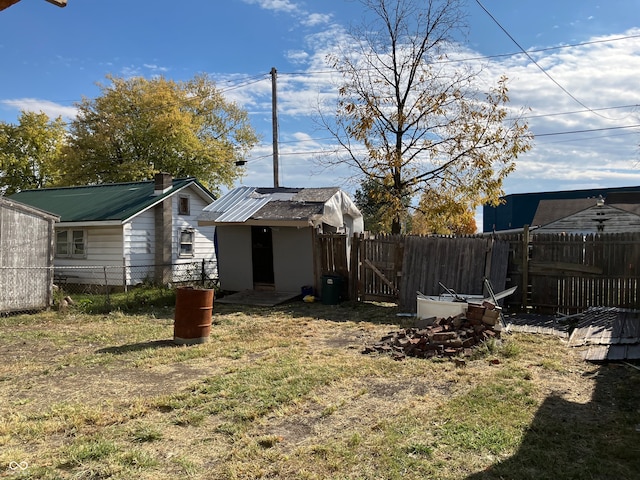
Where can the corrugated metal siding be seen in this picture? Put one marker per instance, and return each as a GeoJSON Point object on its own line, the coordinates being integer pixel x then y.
{"type": "Point", "coordinates": [235, 207]}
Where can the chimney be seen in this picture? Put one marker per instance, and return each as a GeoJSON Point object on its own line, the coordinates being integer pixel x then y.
{"type": "Point", "coordinates": [163, 182]}
{"type": "Point", "coordinates": [163, 228]}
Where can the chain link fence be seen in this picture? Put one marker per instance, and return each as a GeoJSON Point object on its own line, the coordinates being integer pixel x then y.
{"type": "Point", "coordinates": [99, 288]}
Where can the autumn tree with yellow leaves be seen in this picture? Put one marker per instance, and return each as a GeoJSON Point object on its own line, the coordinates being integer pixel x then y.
{"type": "Point", "coordinates": [414, 123]}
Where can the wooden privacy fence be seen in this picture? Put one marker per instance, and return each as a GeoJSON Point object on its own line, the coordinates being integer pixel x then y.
{"type": "Point", "coordinates": [553, 272]}
{"type": "Point", "coordinates": [393, 268]}
{"type": "Point", "coordinates": [570, 273]}
{"type": "Point", "coordinates": [459, 263]}
{"type": "Point", "coordinates": [331, 257]}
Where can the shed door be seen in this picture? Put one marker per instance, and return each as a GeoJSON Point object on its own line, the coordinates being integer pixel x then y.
{"type": "Point", "coordinates": [262, 256]}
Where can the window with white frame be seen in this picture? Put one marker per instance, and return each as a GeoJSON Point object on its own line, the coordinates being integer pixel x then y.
{"type": "Point", "coordinates": [71, 243]}
{"type": "Point", "coordinates": [187, 237]}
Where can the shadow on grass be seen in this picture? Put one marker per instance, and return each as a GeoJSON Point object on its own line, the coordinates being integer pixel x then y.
{"type": "Point", "coordinates": [136, 347]}
{"type": "Point", "coordinates": [596, 440]}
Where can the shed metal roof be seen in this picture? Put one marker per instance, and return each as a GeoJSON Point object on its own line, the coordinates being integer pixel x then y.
{"type": "Point", "coordinates": [236, 206]}
{"type": "Point", "coordinates": [276, 204]}
{"type": "Point", "coordinates": [104, 202]}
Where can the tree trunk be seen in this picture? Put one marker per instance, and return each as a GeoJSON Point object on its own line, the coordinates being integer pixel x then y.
{"type": "Point", "coordinates": [396, 226]}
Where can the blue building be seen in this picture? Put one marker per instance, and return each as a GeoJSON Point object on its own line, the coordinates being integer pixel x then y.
{"type": "Point", "coordinates": [518, 210]}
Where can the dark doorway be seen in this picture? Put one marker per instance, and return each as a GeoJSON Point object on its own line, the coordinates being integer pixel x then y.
{"type": "Point", "coordinates": [262, 257]}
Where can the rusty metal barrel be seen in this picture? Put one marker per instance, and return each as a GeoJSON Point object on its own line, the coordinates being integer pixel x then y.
{"type": "Point", "coordinates": [192, 319]}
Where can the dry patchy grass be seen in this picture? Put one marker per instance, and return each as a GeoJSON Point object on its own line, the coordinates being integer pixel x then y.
{"type": "Point", "coordinates": [285, 392]}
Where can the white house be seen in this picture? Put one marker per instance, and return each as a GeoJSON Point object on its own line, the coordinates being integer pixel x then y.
{"type": "Point", "coordinates": [265, 236]}
{"type": "Point", "coordinates": [134, 231]}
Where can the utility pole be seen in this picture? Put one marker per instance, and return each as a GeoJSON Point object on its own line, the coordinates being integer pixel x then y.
{"type": "Point", "coordinates": [274, 119]}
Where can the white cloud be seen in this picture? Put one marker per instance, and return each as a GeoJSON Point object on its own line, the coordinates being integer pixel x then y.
{"type": "Point", "coordinates": [286, 6]}
{"type": "Point", "coordinates": [314, 19]}
{"type": "Point", "coordinates": [305, 17]}
{"type": "Point", "coordinates": [155, 68]}
{"type": "Point", "coordinates": [130, 71]}
{"type": "Point", "coordinates": [52, 109]}
{"type": "Point", "coordinates": [599, 76]}
{"type": "Point", "coordinates": [297, 56]}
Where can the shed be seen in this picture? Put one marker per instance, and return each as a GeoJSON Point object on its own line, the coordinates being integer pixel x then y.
{"type": "Point", "coordinates": [26, 257]}
{"type": "Point", "coordinates": [135, 231]}
{"type": "Point", "coordinates": [265, 236]}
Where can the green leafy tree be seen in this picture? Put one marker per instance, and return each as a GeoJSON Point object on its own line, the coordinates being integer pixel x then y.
{"type": "Point", "coordinates": [413, 122]}
{"type": "Point", "coordinates": [376, 211]}
{"type": "Point", "coordinates": [139, 127]}
{"type": "Point", "coordinates": [30, 152]}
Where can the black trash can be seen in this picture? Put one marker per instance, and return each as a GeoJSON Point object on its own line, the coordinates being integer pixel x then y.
{"type": "Point", "coordinates": [331, 289]}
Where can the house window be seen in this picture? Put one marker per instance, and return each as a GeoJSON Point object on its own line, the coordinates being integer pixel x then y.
{"type": "Point", "coordinates": [186, 243]}
{"type": "Point", "coordinates": [183, 205]}
{"type": "Point", "coordinates": [71, 243]}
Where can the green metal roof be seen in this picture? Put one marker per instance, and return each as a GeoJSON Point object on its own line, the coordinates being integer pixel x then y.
{"type": "Point", "coordinates": [105, 202]}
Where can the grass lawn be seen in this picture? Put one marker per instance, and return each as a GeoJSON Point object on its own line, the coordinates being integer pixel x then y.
{"type": "Point", "coordinates": [286, 392]}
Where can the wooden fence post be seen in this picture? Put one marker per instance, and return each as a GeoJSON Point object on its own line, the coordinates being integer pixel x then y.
{"type": "Point", "coordinates": [354, 267]}
{"type": "Point", "coordinates": [124, 274]}
{"type": "Point", "coordinates": [525, 266]}
{"type": "Point", "coordinates": [487, 264]}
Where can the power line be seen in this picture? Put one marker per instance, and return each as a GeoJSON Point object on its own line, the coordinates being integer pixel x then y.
{"type": "Point", "coordinates": [593, 137]}
{"type": "Point", "coordinates": [549, 134]}
{"type": "Point", "coordinates": [336, 150]}
{"type": "Point", "coordinates": [316, 139]}
{"type": "Point", "coordinates": [589, 130]}
{"type": "Point", "coordinates": [536, 63]}
{"type": "Point", "coordinates": [542, 115]}
{"type": "Point", "coordinates": [481, 57]}
{"type": "Point", "coordinates": [247, 82]}
{"type": "Point", "coordinates": [263, 76]}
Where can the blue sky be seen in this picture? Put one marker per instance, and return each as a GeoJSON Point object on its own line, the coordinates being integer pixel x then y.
{"type": "Point", "coordinates": [51, 57]}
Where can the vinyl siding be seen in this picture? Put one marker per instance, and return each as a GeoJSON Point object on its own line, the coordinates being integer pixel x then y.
{"type": "Point", "coordinates": [132, 245]}
{"type": "Point", "coordinates": [103, 256]}
{"type": "Point", "coordinates": [139, 238]}
{"type": "Point", "coordinates": [203, 241]}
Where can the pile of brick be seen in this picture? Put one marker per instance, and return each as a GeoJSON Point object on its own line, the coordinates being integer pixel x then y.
{"type": "Point", "coordinates": [443, 337]}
